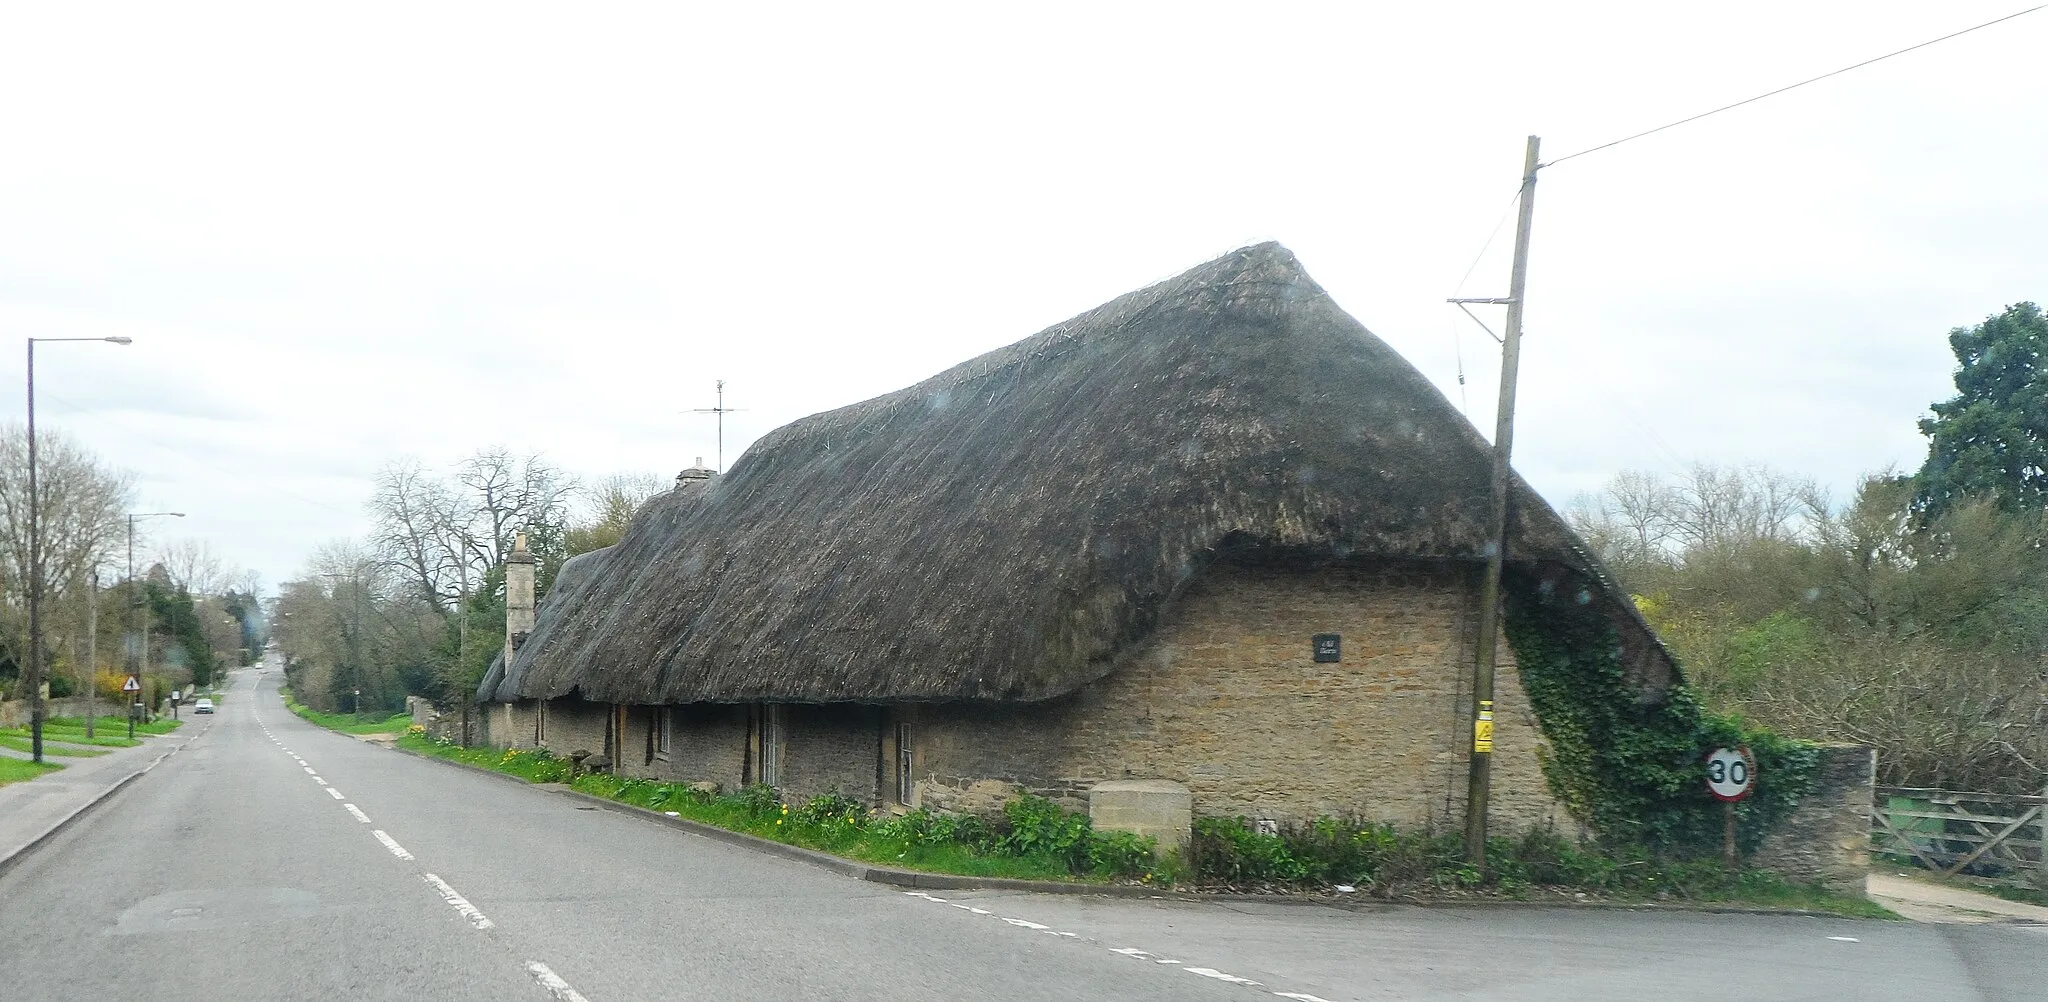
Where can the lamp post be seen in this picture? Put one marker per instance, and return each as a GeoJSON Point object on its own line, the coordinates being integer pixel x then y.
{"type": "Point", "coordinates": [35, 556]}
{"type": "Point", "coordinates": [135, 602]}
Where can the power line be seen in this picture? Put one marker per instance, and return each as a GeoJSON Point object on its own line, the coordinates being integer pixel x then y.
{"type": "Point", "coordinates": [1787, 87]}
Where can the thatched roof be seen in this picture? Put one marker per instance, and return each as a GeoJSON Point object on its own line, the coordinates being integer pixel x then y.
{"type": "Point", "coordinates": [1005, 530]}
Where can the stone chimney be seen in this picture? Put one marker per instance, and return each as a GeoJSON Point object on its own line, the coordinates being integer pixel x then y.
{"type": "Point", "coordinates": [697, 472]}
{"type": "Point", "coordinates": [518, 596]}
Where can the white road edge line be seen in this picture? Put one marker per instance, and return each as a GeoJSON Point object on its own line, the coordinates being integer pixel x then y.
{"type": "Point", "coordinates": [469, 911]}
{"type": "Point", "coordinates": [332, 792]}
{"type": "Point", "coordinates": [1210, 972]}
{"type": "Point", "coordinates": [364, 818]}
{"type": "Point", "coordinates": [391, 844]}
{"type": "Point", "coordinates": [553, 982]}
{"type": "Point", "coordinates": [1301, 997]}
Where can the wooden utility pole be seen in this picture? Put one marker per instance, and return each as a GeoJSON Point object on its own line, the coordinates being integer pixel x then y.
{"type": "Point", "coordinates": [1480, 776]}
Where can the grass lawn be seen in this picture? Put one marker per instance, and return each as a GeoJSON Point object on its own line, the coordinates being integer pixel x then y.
{"type": "Point", "coordinates": [347, 724]}
{"type": "Point", "coordinates": [14, 770]}
{"type": "Point", "coordinates": [104, 738]}
{"type": "Point", "coordinates": [112, 726]}
{"type": "Point", "coordinates": [50, 747]}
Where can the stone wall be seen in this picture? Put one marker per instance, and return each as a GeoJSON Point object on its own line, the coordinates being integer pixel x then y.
{"type": "Point", "coordinates": [1227, 699]}
{"type": "Point", "coordinates": [835, 748]}
{"type": "Point", "coordinates": [508, 725]}
{"type": "Point", "coordinates": [1826, 840]}
{"type": "Point", "coordinates": [708, 743]}
{"type": "Point", "coordinates": [574, 725]}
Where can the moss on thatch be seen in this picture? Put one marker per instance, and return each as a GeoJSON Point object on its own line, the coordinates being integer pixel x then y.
{"type": "Point", "coordinates": [1007, 529]}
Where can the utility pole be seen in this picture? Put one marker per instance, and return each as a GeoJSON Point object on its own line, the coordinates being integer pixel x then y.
{"type": "Point", "coordinates": [721, 411]}
{"type": "Point", "coordinates": [1479, 778]}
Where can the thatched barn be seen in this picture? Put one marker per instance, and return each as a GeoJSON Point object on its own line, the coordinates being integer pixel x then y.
{"type": "Point", "coordinates": [1102, 552]}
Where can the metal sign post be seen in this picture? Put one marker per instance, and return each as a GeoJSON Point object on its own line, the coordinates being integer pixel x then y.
{"type": "Point", "coordinates": [132, 686]}
{"type": "Point", "coordinates": [1731, 778]}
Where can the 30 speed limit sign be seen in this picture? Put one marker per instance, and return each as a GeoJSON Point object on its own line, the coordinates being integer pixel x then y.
{"type": "Point", "coordinates": [1731, 773]}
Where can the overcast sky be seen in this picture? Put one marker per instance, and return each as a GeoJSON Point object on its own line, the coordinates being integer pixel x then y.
{"type": "Point", "coordinates": [344, 233]}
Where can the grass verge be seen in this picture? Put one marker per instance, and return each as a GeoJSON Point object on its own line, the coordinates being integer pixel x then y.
{"type": "Point", "coordinates": [51, 746]}
{"type": "Point", "coordinates": [918, 841]}
{"type": "Point", "coordinates": [346, 723]}
{"type": "Point", "coordinates": [102, 739]}
{"type": "Point", "coordinates": [112, 726]}
{"type": "Point", "coordinates": [14, 770]}
{"type": "Point", "coordinates": [1035, 839]}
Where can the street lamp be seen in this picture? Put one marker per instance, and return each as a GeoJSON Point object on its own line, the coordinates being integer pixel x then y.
{"type": "Point", "coordinates": [35, 556]}
{"type": "Point", "coordinates": [135, 602]}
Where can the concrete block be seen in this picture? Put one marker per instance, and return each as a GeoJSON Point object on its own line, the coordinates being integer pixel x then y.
{"type": "Point", "coordinates": [1160, 808]}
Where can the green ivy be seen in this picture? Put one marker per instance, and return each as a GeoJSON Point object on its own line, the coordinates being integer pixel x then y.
{"type": "Point", "coordinates": [1635, 772]}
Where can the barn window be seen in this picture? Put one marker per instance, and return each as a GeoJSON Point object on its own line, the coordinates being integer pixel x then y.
{"type": "Point", "coordinates": [768, 737]}
{"type": "Point", "coordinates": [664, 730]}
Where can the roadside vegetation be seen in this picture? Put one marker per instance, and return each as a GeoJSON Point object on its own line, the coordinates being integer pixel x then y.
{"type": "Point", "coordinates": [1036, 839]}
{"type": "Point", "coordinates": [1907, 618]}
{"type": "Point", "coordinates": [51, 747]}
{"type": "Point", "coordinates": [15, 770]}
{"type": "Point", "coordinates": [381, 722]}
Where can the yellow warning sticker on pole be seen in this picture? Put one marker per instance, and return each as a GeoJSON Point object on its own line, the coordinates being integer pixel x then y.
{"type": "Point", "coordinates": [1482, 735]}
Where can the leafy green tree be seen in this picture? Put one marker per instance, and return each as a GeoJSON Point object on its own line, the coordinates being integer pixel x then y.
{"type": "Point", "coordinates": [1991, 438]}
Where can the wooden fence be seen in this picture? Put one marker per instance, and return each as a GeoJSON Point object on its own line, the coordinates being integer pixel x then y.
{"type": "Point", "coordinates": [1950, 832]}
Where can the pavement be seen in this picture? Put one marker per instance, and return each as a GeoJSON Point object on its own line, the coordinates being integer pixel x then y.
{"type": "Point", "coordinates": [1925, 898]}
{"type": "Point", "coordinates": [270, 859]}
{"type": "Point", "coordinates": [32, 810]}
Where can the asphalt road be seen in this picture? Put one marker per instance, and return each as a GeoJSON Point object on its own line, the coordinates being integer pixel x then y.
{"type": "Point", "coordinates": [274, 860]}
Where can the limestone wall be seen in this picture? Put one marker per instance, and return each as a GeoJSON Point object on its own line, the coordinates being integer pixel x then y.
{"type": "Point", "coordinates": [574, 725]}
{"type": "Point", "coordinates": [1826, 840]}
{"type": "Point", "coordinates": [1228, 700]}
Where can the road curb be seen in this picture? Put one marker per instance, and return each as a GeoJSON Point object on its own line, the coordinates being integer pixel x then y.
{"type": "Point", "coordinates": [13, 859]}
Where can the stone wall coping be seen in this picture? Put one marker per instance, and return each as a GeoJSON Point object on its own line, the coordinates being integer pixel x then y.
{"type": "Point", "coordinates": [1140, 786]}
{"type": "Point", "coordinates": [953, 881]}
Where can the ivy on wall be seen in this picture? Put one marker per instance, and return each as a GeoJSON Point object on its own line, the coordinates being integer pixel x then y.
{"type": "Point", "coordinates": [1634, 772]}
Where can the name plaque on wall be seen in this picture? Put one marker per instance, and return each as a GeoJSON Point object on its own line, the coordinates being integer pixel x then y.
{"type": "Point", "coordinates": [1329, 647]}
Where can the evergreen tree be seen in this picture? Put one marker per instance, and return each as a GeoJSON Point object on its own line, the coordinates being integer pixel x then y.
{"type": "Point", "coordinates": [1991, 438]}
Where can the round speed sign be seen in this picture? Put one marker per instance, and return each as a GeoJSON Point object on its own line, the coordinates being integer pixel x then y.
{"type": "Point", "coordinates": [1731, 773]}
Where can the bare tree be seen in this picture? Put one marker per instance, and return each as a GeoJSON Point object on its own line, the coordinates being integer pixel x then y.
{"type": "Point", "coordinates": [194, 566]}
{"type": "Point", "coordinates": [608, 507]}
{"type": "Point", "coordinates": [82, 520]}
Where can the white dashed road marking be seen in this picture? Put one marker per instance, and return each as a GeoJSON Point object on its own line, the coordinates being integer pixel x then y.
{"type": "Point", "coordinates": [391, 844]}
{"type": "Point", "coordinates": [332, 792]}
{"type": "Point", "coordinates": [469, 911]}
{"type": "Point", "coordinates": [364, 818]}
{"type": "Point", "coordinates": [1210, 972]}
{"type": "Point", "coordinates": [553, 983]}
{"type": "Point", "coordinates": [1127, 951]}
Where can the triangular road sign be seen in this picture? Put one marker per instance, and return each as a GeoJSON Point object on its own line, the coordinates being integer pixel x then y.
{"type": "Point", "coordinates": [132, 685]}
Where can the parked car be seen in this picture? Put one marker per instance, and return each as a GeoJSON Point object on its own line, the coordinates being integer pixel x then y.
{"type": "Point", "coordinates": [203, 706]}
